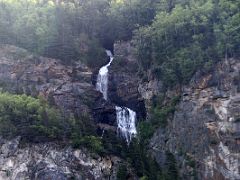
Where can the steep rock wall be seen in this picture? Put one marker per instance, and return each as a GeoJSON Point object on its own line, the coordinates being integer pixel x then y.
{"type": "Point", "coordinates": [203, 133]}
{"type": "Point", "coordinates": [67, 86]}
{"type": "Point", "coordinates": [122, 88]}
{"type": "Point", "coordinates": [51, 161]}
{"type": "Point", "coordinates": [123, 80]}
{"type": "Point", "coordinates": [205, 128]}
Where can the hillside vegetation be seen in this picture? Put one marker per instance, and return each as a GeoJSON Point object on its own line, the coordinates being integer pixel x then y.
{"type": "Point", "coordinates": [172, 39]}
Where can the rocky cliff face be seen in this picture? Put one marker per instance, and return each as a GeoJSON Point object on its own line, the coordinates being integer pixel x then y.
{"type": "Point", "coordinates": [122, 88]}
{"type": "Point", "coordinates": [205, 130]}
{"type": "Point", "coordinates": [70, 88]}
{"type": "Point", "coordinates": [51, 161]}
{"type": "Point", "coordinates": [67, 86]}
{"type": "Point", "coordinates": [203, 134]}
{"type": "Point", "coordinates": [123, 80]}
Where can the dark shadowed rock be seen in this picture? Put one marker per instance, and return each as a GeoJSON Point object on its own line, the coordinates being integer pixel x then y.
{"type": "Point", "coordinates": [123, 80]}
{"type": "Point", "coordinates": [105, 113]}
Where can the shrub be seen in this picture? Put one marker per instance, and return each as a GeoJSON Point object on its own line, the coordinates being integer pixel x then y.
{"type": "Point", "coordinates": [92, 143]}
{"type": "Point", "coordinates": [122, 172]}
{"type": "Point", "coordinates": [160, 113]}
{"type": "Point", "coordinates": [145, 130]}
{"type": "Point", "coordinates": [28, 117]}
{"type": "Point", "coordinates": [171, 167]}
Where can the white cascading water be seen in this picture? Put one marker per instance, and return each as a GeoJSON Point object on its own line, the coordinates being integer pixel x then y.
{"type": "Point", "coordinates": [126, 118]}
{"type": "Point", "coordinates": [102, 79]}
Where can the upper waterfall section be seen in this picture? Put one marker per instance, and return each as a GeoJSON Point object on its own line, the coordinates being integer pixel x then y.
{"type": "Point", "coordinates": [102, 79]}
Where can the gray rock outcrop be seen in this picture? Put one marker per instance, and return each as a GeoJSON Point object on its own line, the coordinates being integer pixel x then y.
{"type": "Point", "coordinates": [205, 128]}
{"type": "Point", "coordinates": [51, 161]}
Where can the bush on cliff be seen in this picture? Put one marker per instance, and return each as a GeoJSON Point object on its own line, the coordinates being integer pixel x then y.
{"type": "Point", "coordinates": [92, 143]}
{"type": "Point", "coordinates": [36, 121]}
{"type": "Point", "coordinates": [28, 117]}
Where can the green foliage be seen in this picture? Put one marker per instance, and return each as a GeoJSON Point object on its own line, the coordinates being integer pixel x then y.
{"type": "Point", "coordinates": [174, 39]}
{"type": "Point", "coordinates": [122, 172]}
{"type": "Point", "coordinates": [159, 116]}
{"type": "Point", "coordinates": [92, 143]}
{"type": "Point", "coordinates": [192, 163]}
{"type": "Point", "coordinates": [34, 120]}
{"type": "Point", "coordinates": [146, 130]}
{"type": "Point", "coordinates": [27, 24]}
{"type": "Point", "coordinates": [144, 178]}
{"type": "Point", "coordinates": [137, 152]}
{"type": "Point", "coordinates": [171, 167]}
{"type": "Point", "coordinates": [142, 162]}
{"type": "Point", "coordinates": [146, 166]}
{"type": "Point", "coordinates": [160, 113]}
{"type": "Point", "coordinates": [127, 16]}
{"type": "Point", "coordinates": [28, 117]}
{"type": "Point", "coordinates": [113, 145]}
{"type": "Point", "coordinates": [186, 36]}
{"type": "Point", "coordinates": [72, 30]}
{"type": "Point", "coordinates": [89, 50]}
{"type": "Point", "coordinates": [54, 29]}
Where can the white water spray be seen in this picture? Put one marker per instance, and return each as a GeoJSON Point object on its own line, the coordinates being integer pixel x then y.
{"type": "Point", "coordinates": [126, 118]}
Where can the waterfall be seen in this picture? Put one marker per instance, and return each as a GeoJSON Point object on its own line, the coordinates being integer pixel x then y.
{"type": "Point", "coordinates": [102, 79]}
{"type": "Point", "coordinates": [126, 118]}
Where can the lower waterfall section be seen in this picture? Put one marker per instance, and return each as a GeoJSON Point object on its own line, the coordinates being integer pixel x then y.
{"type": "Point", "coordinates": [126, 120]}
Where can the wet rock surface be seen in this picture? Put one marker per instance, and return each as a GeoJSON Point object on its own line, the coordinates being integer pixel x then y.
{"type": "Point", "coordinates": [122, 88]}
{"type": "Point", "coordinates": [123, 80]}
{"type": "Point", "coordinates": [105, 113]}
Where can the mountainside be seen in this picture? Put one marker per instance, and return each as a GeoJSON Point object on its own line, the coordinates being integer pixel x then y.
{"type": "Point", "coordinates": [120, 89]}
{"type": "Point", "coordinates": [202, 133]}
{"type": "Point", "coordinates": [70, 89]}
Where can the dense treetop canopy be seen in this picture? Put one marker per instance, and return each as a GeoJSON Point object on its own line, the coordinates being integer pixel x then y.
{"type": "Point", "coordinates": [175, 37]}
